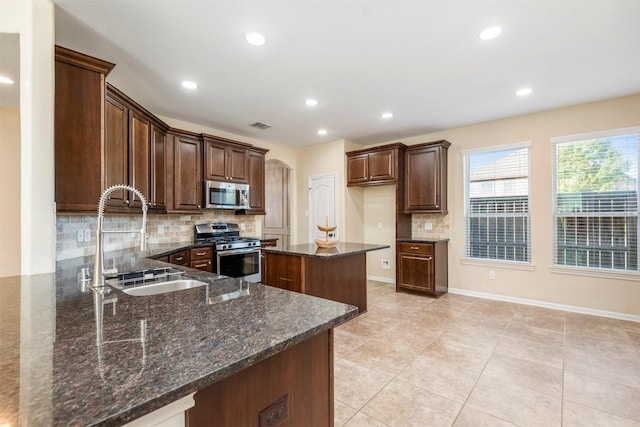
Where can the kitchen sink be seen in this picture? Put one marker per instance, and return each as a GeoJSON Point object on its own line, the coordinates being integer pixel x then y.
{"type": "Point", "coordinates": [153, 281]}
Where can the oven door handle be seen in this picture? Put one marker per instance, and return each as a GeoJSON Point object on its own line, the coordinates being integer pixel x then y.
{"type": "Point", "coordinates": [237, 251]}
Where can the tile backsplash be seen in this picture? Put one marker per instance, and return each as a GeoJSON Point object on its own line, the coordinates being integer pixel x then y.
{"type": "Point", "coordinates": [171, 228]}
{"type": "Point", "coordinates": [439, 226]}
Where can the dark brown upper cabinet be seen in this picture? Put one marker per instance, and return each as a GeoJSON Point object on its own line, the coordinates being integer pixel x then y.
{"type": "Point", "coordinates": [79, 130]}
{"type": "Point", "coordinates": [256, 183]}
{"type": "Point", "coordinates": [225, 160]}
{"type": "Point", "coordinates": [184, 172]}
{"type": "Point", "coordinates": [135, 153]}
{"type": "Point", "coordinates": [374, 166]}
{"type": "Point", "coordinates": [426, 177]}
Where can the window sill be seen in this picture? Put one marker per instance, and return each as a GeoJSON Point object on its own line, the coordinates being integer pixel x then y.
{"type": "Point", "coordinates": [596, 272]}
{"type": "Point", "coordinates": [514, 265]}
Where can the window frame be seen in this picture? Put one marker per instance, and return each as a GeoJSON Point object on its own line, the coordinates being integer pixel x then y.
{"type": "Point", "coordinates": [496, 262]}
{"type": "Point", "coordinates": [602, 272]}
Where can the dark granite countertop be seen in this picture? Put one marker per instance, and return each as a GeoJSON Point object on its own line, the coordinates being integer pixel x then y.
{"type": "Point", "coordinates": [312, 250]}
{"type": "Point", "coordinates": [153, 351]}
{"type": "Point", "coordinates": [430, 240]}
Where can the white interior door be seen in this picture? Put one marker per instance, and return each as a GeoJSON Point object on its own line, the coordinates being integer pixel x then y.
{"type": "Point", "coordinates": [322, 205]}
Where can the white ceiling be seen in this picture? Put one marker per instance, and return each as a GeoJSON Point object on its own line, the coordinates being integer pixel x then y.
{"type": "Point", "coordinates": [422, 60]}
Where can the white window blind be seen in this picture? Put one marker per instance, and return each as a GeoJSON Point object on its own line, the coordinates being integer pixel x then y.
{"type": "Point", "coordinates": [497, 204]}
{"type": "Point", "coordinates": [595, 195]}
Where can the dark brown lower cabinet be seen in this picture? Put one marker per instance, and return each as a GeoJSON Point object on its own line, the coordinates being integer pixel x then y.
{"type": "Point", "coordinates": [422, 267]}
{"type": "Point", "coordinates": [299, 380]}
{"type": "Point", "coordinates": [201, 258]}
{"type": "Point", "coordinates": [340, 278]}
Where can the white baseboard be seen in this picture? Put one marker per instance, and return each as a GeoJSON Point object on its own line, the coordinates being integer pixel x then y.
{"type": "Point", "coordinates": [554, 306]}
{"type": "Point", "coordinates": [382, 279]}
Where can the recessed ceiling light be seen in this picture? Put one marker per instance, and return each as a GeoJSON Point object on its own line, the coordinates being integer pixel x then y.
{"type": "Point", "coordinates": [189, 85]}
{"type": "Point", "coordinates": [490, 33]}
{"type": "Point", "coordinates": [255, 39]}
{"type": "Point", "coordinates": [386, 115]}
{"type": "Point", "coordinates": [6, 80]}
{"type": "Point", "coordinates": [524, 91]}
{"type": "Point", "coordinates": [322, 132]}
{"type": "Point", "coordinates": [311, 102]}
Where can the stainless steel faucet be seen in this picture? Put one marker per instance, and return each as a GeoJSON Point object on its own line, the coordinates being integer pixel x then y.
{"type": "Point", "coordinates": [98, 273]}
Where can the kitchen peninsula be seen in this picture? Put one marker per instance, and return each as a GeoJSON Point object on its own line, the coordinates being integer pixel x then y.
{"type": "Point", "coordinates": [74, 357]}
{"type": "Point", "coordinates": [338, 274]}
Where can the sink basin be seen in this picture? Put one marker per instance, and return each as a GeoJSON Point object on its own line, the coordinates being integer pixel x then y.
{"type": "Point", "coordinates": [161, 287]}
{"type": "Point", "coordinates": [153, 281]}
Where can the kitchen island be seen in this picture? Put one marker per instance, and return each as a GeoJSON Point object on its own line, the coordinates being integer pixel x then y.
{"type": "Point", "coordinates": [74, 357]}
{"type": "Point", "coordinates": [338, 274]}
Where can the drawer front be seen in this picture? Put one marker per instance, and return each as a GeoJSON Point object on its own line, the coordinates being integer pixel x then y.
{"type": "Point", "coordinates": [204, 265]}
{"type": "Point", "coordinates": [198, 254]}
{"type": "Point", "coordinates": [179, 258]}
{"type": "Point", "coordinates": [416, 248]}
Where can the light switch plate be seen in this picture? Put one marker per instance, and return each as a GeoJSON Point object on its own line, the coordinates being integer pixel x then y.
{"type": "Point", "coordinates": [87, 234]}
{"type": "Point", "coordinates": [80, 236]}
{"type": "Point", "coordinates": [428, 226]}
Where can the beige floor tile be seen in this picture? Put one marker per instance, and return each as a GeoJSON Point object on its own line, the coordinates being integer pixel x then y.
{"type": "Point", "coordinates": [381, 357]}
{"type": "Point", "coordinates": [355, 385]}
{"type": "Point", "coordinates": [458, 354]}
{"type": "Point", "coordinates": [439, 377]}
{"type": "Point", "coordinates": [383, 315]}
{"type": "Point", "coordinates": [422, 318]}
{"type": "Point", "coordinates": [617, 366]}
{"type": "Point", "coordinates": [342, 413]}
{"type": "Point", "coordinates": [516, 404]}
{"type": "Point", "coordinates": [362, 327]}
{"type": "Point", "coordinates": [549, 319]}
{"type": "Point", "coordinates": [575, 415]}
{"type": "Point", "coordinates": [412, 338]}
{"type": "Point", "coordinates": [470, 417]}
{"type": "Point", "coordinates": [522, 331]}
{"type": "Point", "coordinates": [345, 342]}
{"type": "Point", "coordinates": [616, 399]}
{"type": "Point", "coordinates": [475, 335]}
{"type": "Point", "coordinates": [548, 354]}
{"type": "Point", "coordinates": [532, 375]}
{"type": "Point", "coordinates": [401, 404]}
{"type": "Point", "coordinates": [362, 420]}
{"type": "Point", "coordinates": [611, 340]}
{"type": "Point", "coordinates": [635, 339]}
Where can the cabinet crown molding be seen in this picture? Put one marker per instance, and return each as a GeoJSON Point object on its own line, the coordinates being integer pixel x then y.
{"type": "Point", "coordinates": [78, 59]}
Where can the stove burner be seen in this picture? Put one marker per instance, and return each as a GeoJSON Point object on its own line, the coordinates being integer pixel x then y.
{"type": "Point", "coordinates": [225, 236]}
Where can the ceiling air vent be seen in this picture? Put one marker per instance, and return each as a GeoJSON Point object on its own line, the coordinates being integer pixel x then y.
{"type": "Point", "coordinates": [259, 125]}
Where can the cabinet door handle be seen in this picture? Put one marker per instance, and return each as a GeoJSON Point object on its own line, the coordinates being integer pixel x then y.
{"type": "Point", "coordinates": [200, 253]}
{"type": "Point", "coordinates": [415, 248]}
{"type": "Point", "coordinates": [179, 258]}
{"type": "Point", "coordinates": [285, 280]}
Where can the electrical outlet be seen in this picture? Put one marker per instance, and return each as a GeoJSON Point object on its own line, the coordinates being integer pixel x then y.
{"type": "Point", "coordinates": [386, 264]}
{"type": "Point", "coordinates": [161, 229]}
{"type": "Point", "coordinates": [380, 225]}
{"type": "Point", "coordinates": [492, 275]}
{"type": "Point", "coordinates": [243, 226]}
{"type": "Point", "coordinates": [428, 226]}
{"type": "Point", "coordinates": [80, 236]}
{"type": "Point", "coordinates": [87, 234]}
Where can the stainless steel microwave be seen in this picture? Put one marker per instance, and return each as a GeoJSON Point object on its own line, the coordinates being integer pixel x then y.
{"type": "Point", "coordinates": [225, 195]}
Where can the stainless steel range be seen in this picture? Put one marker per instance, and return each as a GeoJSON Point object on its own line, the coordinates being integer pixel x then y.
{"type": "Point", "coordinates": [235, 256]}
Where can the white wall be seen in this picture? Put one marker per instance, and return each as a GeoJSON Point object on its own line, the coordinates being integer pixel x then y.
{"type": "Point", "coordinates": [34, 21]}
{"type": "Point", "coordinates": [9, 190]}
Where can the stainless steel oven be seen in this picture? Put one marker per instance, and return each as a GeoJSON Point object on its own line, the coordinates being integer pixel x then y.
{"type": "Point", "coordinates": [235, 256]}
{"type": "Point", "coordinates": [243, 263]}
